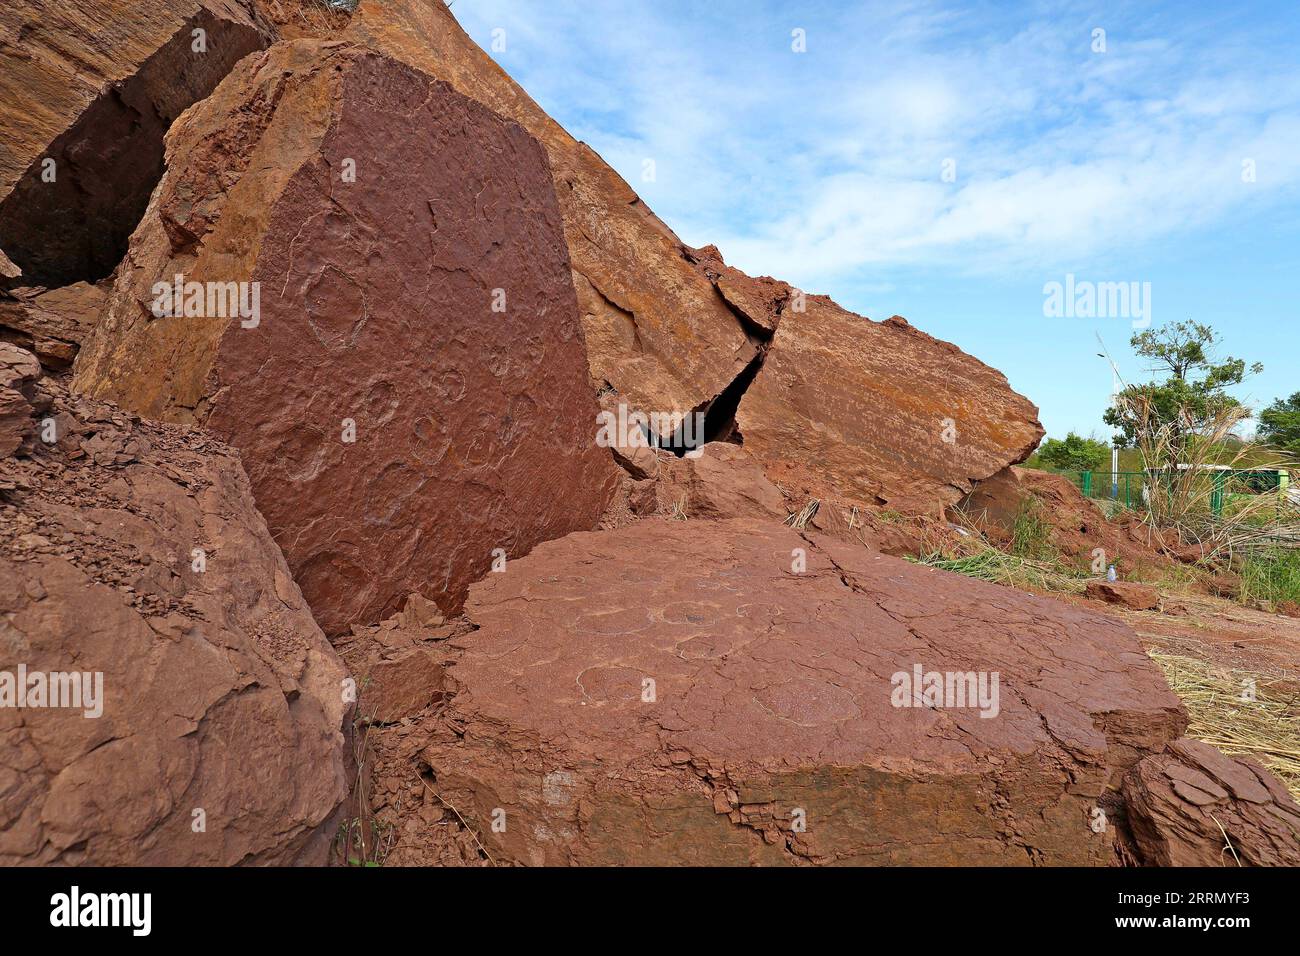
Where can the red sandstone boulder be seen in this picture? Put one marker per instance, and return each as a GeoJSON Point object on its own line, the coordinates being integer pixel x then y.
{"type": "Point", "coordinates": [412, 399]}
{"type": "Point", "coordinates": [721, 481]}
{"type": "Point", "coordinates": [87, 90]}
{"type": "Point", "coordinates": [1129, 594]}
{"type": "Point", "coordinates": [879, 413]}
{"type": "Point", "coordinates": [843, 407]}
{"type": "Point", "coordinates": [1194, 806]}
{"type": "Point", "coordinates": [656, 331]}
{"type": "Point", "coordinates": [215, 735]}
{"type": "Point", "coordinates": [741, 694]}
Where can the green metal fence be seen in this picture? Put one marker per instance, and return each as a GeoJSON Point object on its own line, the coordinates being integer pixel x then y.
{"type": "Point", "coordinates": [1132, 489]}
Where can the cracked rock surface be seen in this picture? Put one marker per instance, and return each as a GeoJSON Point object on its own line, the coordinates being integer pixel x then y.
{"type": "Point", "coordinates": [879, 412]}
{"type": "Point", "coordinates": [771, 694]}
{"type": "Point", "coordinates": [473, 425]}
{"type": "Point", "coordinates": [1195, 806]}
{"type": "Point", "coordinates": [220, 693]}
{"type": "Point", "coordinates": [656, 330]}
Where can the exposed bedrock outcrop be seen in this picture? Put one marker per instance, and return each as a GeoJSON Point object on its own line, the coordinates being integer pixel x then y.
{"type": "Point", "coordinates": [656, 329]}
{"type": "Point", "coordinates": [214, 734]}
{"type": "Point", "coordinates": [87, 90]}
{"type": "Point", "coordinates": [734, 698]}
{"type": "Point", "coordinates": [839, 407]}
{"type": "Point", "coordinates": [412, 395]}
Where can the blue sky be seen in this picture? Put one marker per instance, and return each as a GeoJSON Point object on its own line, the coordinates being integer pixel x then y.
{"type": "Point", "coordinates": [826, 168]}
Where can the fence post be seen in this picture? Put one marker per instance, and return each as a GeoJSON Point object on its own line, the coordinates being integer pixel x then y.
{"type": "Point", "coordinates": [1085, 481]}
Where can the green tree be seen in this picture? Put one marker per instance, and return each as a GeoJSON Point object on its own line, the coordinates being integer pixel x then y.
{"type": "Point", "coordinates": [1279, 424]}
{"type": "Point", "coordinates": [1074, 453]}
{"type": "Point", "coordinates": [1192, 380]}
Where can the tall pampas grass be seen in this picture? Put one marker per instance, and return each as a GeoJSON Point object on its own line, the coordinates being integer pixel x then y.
{"type": "Point", "coordinates": [1181, 458]}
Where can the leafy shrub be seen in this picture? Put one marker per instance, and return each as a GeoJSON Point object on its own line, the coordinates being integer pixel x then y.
{"type": "Point", "coordinates": [1073, 453]}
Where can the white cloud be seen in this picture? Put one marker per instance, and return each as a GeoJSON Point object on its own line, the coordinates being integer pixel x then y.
{"type": "Point", "coordinates": [816, 166]}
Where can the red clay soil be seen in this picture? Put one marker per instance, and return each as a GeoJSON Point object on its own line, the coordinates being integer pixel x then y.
{"type": "Point", "coordinates": [1216, 630]}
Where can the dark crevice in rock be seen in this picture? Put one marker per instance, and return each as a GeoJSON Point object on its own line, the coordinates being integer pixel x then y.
{"type": "Point", "coordinates": [108, 162]}
{"type": "Point", "coordinates": [758, 334]}
{"type": "Point", "coordinates": [720, 417]}
{"type": "Point", "coordinates": [718, 413]}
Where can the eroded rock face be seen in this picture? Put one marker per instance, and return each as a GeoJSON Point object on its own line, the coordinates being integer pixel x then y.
{"type": "Point", "coordinates": [720, 705]}
{"type": "Point", "coordinates": [221, 698]}
{"type": "Point", "coordinates": [722, 481]}
{"type": "Point", "coordinates": [1194, 806]}
{"type": "Point", "coordinates": [879, 413]}
{"type": "Point", "coordinates": [88, 88]}
{"type": "Point", "coordinates": [656, 329]}
{"type": "Point", "coordinates": [52, 324]}
{"type": "Point", "coordinates": [413, 394]}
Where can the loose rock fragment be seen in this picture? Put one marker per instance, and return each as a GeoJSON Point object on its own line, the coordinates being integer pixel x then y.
{"type": "Point", "coordinates": [1194, 806]}
{"type": "Point", "coordinates": [1129, 594]}
{"type": "Point", "coordinates": [53, 323]}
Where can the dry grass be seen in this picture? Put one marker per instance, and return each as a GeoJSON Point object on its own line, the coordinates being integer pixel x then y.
{"type": "Point", "coordinates": [1030, 564]}
{"type": "Point", "coordinates": [1027, 574]}
{"type": "Point", "coordinates": [362, 840]}
{"type": "Point", "coordinates": [799, 521]}
{"type": "Point", "coordinates": [1267, 729]}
